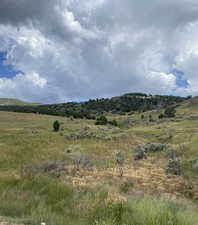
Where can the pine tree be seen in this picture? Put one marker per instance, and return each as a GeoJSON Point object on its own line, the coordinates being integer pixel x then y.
{"type": "Point", "coordinates": [56, 126]}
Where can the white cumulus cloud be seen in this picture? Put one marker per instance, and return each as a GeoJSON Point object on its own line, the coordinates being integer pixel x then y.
{"type": "Point", "coordinates": [72, 50]}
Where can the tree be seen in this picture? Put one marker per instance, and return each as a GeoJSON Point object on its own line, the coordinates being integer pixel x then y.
{"type": "Point", "coordinates": [161, 116]}
{"type": "Point", "coordinates": [170, 112]}
{"type": "Point", "coordinates": [113, 123]}
{"type": "Point", "coordinates": [56, 126]}
{"type": "Point", "coordinates": [102, 120]}
{"type": "Point", "coordinates": [151, 118]}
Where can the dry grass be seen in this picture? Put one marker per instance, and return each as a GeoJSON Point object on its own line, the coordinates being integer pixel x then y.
{"type": "Point", "coordinates": [28, 139]}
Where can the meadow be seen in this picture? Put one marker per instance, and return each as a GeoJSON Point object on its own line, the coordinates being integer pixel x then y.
{"type": "Point", "coordinates": [72, 176]}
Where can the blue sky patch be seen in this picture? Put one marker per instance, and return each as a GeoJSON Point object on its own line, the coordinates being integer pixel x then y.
{"type": "Point", "coordinates": [6, 71]}
{"type": "Point", "coordinates": [180, 81]}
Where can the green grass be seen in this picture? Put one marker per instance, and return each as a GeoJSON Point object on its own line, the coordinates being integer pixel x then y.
{"type": "Point", "coordinates": [143, 212]}
{"type": "Point", "coordinates": [44, 199]}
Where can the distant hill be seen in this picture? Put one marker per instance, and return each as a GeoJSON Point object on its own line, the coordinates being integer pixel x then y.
{"type": "Point", "coordinates": [131, 102]}
{"type": "Point", "coordinates": [13, 101]}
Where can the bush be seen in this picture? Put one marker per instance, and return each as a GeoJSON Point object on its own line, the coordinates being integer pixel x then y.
{"type": "Point", "coordinates": [174, 167]}
{"type": "Point", "coordinates": [102, 120]}
{"type": "Point", "coordinates": [195, 165]}
{"type": "Point", "coordinates": [142, 150]}
{"type": "Point", "coordinates": [140, 154]}
{"type": "Point", "coordinates": [151, 118]}
{"type": "Point", "coordinates": [53, 168]}
{"type": "Point", "coordinates": [120, 162]}
{"type": "Point", "coordinates": [161, 116]}
{"type": "Point", "coordinates": [190, 168]}
{"type": "Point", "coordinates": [120, 158]}
{"type": "Point", "coordinates": [126, 186]}
{"type": "Point", "coordinates": [82, 162]}
{"type": "Point", "coordinates": [170, 112]}
{"type": "Point", "coordinates": [155, 147]}
{"type": "Point", "coordinates": [56, 126]}
{"type": "Point", "coordinates": [152, 147]}
{"type": "Point", "coordinates": [113, 123]}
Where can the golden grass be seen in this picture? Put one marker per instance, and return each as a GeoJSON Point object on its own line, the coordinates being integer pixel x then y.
{"type": "Point", "coordinates": [27, 139]}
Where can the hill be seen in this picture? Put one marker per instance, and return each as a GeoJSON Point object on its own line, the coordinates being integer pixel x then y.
{"type": "Point", "coordinates": [12, 101]}
{"type": "Point", "coordinates": [87, 174]}
{"type": "Point", "coordinates": [131, 102]}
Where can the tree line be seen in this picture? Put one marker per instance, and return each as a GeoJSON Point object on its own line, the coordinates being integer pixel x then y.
{"type": "Point", "coordinates": [92, 108]}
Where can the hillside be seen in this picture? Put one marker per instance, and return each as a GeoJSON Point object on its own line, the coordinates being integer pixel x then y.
{"type": "Point", "coordinates": [87, 174]}
{"type": "Point", "coordinates": [12, 101]}
{"type": "Point", "coordinates": [131, 102]}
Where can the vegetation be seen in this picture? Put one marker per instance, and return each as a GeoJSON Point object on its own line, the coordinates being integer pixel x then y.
{"type": "Point", "coordinates": [56, 126]}
{"type": "Point", "coordinates": [90, 109]}
{"type": "Point", "coordinates": [14, 102]}
{"type": "Point", "coordinates": [86, 174]}
{"type": "Point", "coordinates": [161, 116]}
{"type": "Point", "coordinates": [102, 120]}
{"type": "Point", "coordinates": [170, 112]}
{"type": "Point", "coordinates": [113, 123]}
{"type": "Point", "coordinates": [54, 203]}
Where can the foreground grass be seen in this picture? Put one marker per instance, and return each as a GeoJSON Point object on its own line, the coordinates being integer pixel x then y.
{"type": "Point", "coordinates": [46, 200]}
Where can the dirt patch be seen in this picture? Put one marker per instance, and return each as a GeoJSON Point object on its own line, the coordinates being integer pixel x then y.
{"type": "Point", "coordinates": [149, 179]}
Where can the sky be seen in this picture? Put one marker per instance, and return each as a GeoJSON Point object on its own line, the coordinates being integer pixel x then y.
{"type": "Point", "coordinates": [71, 50]}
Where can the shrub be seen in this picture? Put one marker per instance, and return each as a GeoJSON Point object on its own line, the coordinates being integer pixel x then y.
{"type": "Point", "coordinates": [154, 147]}
{"type": "Point", "coordinates": [82, 162]}
{"type": "Point", "coordinates": [140, 154]}
{"type": "Point", "coordinates": [126, 186]}
{"type": "Point", "coordinates": [151, 118]}
{"type": "Point", "coordinates": [161, 116]}
{"type": "Point", "coordinates": [120, 158]}
{"type": "Point", "coordinates": [174, 167]}
{"type": "Point", "coordinates": [120, 161]}
{"type": "Point", "coordinates": [142, 150]}
{"type": "Point", "coordinates": [53, 168]}
{"type": "Point", "coordinates": [56, 126]}
{"type": "Point", "coordinates": [90, 117]}
{"type": "Point", "coordinates": [170, 112]}
{"type": "Point", "coordinates": [113, 123]}
{"type": "Point", "coordinates": [195, 165]}
{"type": "Point", "coordinates": [102, 120]}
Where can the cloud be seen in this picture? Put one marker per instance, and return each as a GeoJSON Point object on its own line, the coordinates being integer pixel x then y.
{"type": "Point", "coordinates": [71, 50]}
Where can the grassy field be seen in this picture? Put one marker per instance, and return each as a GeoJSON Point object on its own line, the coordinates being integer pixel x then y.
{"type": "Point", "coordinates": [71, 176]}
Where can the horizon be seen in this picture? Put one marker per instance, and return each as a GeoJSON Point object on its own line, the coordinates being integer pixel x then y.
{"type": "Point", "coordinates": [92, 99]}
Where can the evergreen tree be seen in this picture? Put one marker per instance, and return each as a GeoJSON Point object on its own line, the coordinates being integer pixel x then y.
{"type": "Point", "coordinates": [102, 120]}
{"type": "Point", "coordinates": [56, 126]}
{"type": "Point", "coordinates": [170, 112]}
